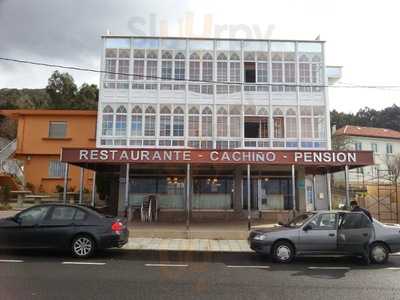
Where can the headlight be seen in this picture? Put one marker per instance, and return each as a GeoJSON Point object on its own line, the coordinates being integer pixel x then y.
{"type": "Point", "coordinates": [260, 237]}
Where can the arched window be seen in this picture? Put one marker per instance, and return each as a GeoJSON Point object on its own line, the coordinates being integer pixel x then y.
{"type": "Point", "coordinates": [303, 58]}
{"type": "Point", "coordinates": [250, 110]}
{"type": "Point", "coordinates": [137, 121]}
{"type": "Point", "coordinates": [222, 56]}
{"type": "Point", "coordinates": [207, 56]}
{"type": "Point", "coordinates": [165, 121]}
{"type": "Point", "coordinates": [235, 120]}
{"type": "Point", "coordinates": [262, 111]}
{"type": "Point", "coordinates": [291, 123]}
{"type": "Point", "coordinates": [235, 56]}
{"type": "Point", "coordinates": [107, 121]}
{"type": "Point", "coordinates": [206, 122]}
{"type": "Point", "coordinates": [150, 122]}
{"type": "Point", "coordinates": [120, 121]}
{"type": "Point", "coordinates": [178, 122]}
{"type": "Point", "coordinates": [279, 128]}
{"type": "Point", "coordinates": [222, 122]}
{"type": "Point", "coordinates": [179, 66]}
{"type": "Point", "coordinates": [278, 112]}
{"type": "Point", "coordinates": [152, 54]}
{"type": "Point", "coordinates": [166, 65]}
{"type": "Point", "coordinates": [194, 121]}
{"type": "Point", "coordinates": [194, 67]}
{"type": "Point", "coordinates": [222, 67]}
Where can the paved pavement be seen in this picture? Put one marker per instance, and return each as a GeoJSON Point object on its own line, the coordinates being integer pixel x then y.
{"type": "Point", "coordinates": [118, 274]}
{"type": "Point", "coordinates": [158, 244]}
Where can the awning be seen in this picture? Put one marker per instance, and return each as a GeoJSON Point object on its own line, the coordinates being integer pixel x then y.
{"type": "Point", "coordinates": [314, 161]}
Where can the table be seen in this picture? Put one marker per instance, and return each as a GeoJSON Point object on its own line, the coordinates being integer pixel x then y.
{"type": "Point", "coordinates": [37, 198]}
{"type": "Point", "coordinates": [20, 197]}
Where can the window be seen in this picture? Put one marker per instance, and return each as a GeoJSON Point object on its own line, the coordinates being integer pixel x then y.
{"type": "Point", "coordinates": [136, 121]}
{"type": "Point", "coordinates": [358, 146]}
{"type": "Point", "coordinates": [207, 67]}
{"type": "Point", "coordinates": [291, 124]}
{"type": "Point", "coordinates": [151, 70]}
{"type": "Point", "coordinates": [306, 122]}
{"type": "Point", "coordinates": [107, 121]}
{"type": "Point", "coordinates": [250, 72]}
{"type": "Point", "coordinates": [178, 122]}
{"type": "Point", "coordinates": [279, 127]}
{"type": "Point", "coordinates": [179, 66]}
{"type": "Point", "coordinates": [194, 67]}
{"type": "Point", "coordinates": [120, 121]}
{"type": "Point", "coordinates": [262, 72]}
{"type": "Point", "coordinates": [355, 221]}
{"type": "Point", "coordinates": [123, 69]}
{"type": "Point", "coordinates": [33, 215]}
{"type": "Point", "coordinates": [111, 68]}
{"type": "Point", "coordinates": [374, 147]}
{"type": "Point", "coordinates": [57, 129]}
{"type": "Point", "coordinates": [222, 71]}
{"type": "Point", "coordinates": [63, 213]}
{"type": "Point", "coordinates": [206, 122]}
{"type": "Point", "coordinates": [56, 169]}
{"type": "Point", "coordinates": [255, 127]}
{"type": "Point", "coordinates": [194, 122]}
{"type": "Point", "coordinates": [389, 148]}
{"type": "Point", "coordinates": [324, 222]}
{"type": "Point", "coordinates": [138, 65]}
{"type": "Point", "coordinates": [222, 122]}
{"type": "Point", "coordinates": [150, 122]}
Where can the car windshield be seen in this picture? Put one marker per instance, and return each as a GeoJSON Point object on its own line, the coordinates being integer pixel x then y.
{"type": "Point", "coordinates": [299, 220]}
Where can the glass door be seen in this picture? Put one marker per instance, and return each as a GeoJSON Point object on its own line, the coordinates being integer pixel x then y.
{"type": "Point", "coordinates": [254, 193]}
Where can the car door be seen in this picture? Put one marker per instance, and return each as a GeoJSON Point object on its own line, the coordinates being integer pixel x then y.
{"type": "Point", "coordinates": [59, 226]}
{"type": "Point", "coordinates": [319, 234]}
{"type": "Point", "coordinates": [9, 229]}
{"type": "Point", "coordinates": [28, 235]}
{"type": "Point", "coordinates": [355, 232]}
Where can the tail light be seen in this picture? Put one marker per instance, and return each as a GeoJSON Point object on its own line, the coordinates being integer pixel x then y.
{"type": "Point", "coordinates": [117, 227]}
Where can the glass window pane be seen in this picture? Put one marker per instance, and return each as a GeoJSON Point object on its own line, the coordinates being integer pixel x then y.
{"type": "Point", "coordinates": [118, 43]}
{"type": "Point", "coordinates": [145, 43]}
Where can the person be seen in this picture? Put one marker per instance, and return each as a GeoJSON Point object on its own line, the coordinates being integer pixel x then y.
{"type": "Point", "coordinates": [355, 207]}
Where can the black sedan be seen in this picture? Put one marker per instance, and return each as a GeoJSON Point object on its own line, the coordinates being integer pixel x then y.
{"type": "Point", "coordinates": [80, 229]}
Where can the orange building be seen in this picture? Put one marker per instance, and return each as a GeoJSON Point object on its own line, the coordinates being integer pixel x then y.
{"type": "Point", "coordinates": [40, 137]}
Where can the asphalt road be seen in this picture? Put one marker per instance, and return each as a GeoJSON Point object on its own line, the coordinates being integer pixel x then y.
{"type": "Point", "coordinates": [119, 274]}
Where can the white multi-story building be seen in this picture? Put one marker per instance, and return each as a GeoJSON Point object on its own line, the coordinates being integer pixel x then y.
{"type": "Point", "coordinates": [246, 122]}
{"type": "Point", "coordinates": [213, 93]}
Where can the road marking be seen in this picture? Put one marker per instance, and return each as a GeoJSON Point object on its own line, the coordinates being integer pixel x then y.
{"type": "Point", "coordinates": [164, 265]}
{"type": "Point", "coordinates": [250, 267]}
{"type": "Point", "coordinates": [83, 263]}
{"type": "Point", "coordinates": [11, 261]}
{"type": "Point", "coordinates": [329, 268]}
{"type": "Point", "coordinates": [393, 268]}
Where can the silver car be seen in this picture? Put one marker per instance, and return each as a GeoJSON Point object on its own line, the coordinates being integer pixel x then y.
{"type": "Point", "coordinates": [327, 232]}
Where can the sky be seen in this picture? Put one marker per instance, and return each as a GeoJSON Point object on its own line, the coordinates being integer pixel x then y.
{"type": "Point", "coordinates": [361, 36]}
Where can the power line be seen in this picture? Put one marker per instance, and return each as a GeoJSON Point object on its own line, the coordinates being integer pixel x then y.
{"type": "Point", "coordinates": [342, 85]}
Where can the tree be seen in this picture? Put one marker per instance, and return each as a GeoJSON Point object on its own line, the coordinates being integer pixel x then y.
{"type": "Point", "coordinates": [341, 142]}
{"type": "Point", "coordinates": [87, 97]}
{"type": "Point", "coordinates": [61, 89]}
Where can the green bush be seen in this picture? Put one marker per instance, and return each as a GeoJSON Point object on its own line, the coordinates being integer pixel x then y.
{"type": "Point", "coordinates": [6, 194]}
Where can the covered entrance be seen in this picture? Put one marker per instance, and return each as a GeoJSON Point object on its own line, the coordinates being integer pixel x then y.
{"type": "Point", "coordinates": [202, 185]}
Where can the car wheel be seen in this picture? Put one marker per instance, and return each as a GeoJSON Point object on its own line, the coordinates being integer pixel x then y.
{"type": "Point", "coordinates": [83, 246]}
{"type": "Point", "coordinates": [379, 253]}
{"type": "Point", "coordinates": [283, 252]}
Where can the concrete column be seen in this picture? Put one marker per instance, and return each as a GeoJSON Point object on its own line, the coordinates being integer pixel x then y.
{"type": "Point", "coordinates": [300, 190]}
{"type": "Point", "coordinates": [187, 196]}
{"type": "Point", "coordinates": [346, 178]}
{"type": "Point", "coordinates": [82, 171]}
{"type": "Point", "coordinates": [314, 187]}
{"type": "Point", "coordinates": [126, 194]}
{"type": "Point", "coordinates": [294, 187]}
{"type": "Point", "coordinates": [93, 200]}
{"type": "Point", "coordinates": [329, 189]}
{"type": "Point", "coordinates": [237, 195]}
{"type": "Point", "coordinates": [65, 183]}
{"type": "Point", "coordinates": [248, 198]}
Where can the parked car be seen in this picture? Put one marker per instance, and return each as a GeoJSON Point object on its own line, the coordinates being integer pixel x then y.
{"type": "Point", "coordinates": [327, 232]}
{"type": "Point", "coordinates": [80, 229]}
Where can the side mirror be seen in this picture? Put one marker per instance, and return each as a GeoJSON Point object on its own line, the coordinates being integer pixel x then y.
{"type": "Point", "coordinates": [307, 227]}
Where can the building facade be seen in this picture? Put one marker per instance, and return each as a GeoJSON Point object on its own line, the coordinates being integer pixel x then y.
{"type": "Point", "coordinates": [250, 116]}
{"type": "Point", "coordinates": [41, 135]}
{"type": "Point", "coordinates": [384, 143]}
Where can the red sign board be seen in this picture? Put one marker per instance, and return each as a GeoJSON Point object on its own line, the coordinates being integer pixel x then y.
{"type": "Point", "coordinates": [201, 156]}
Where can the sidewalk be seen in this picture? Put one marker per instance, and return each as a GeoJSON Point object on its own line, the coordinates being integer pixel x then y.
{"type": "Point", "coordinates": [158, 244]}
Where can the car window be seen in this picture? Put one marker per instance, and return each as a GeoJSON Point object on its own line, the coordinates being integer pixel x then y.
{"type": "Point", "coordinates": [63, 213]}
{"type": "Point", "coordinates": [299, 220]}
{"type": "Point", "coordinates": [33, 215]}
{"type": "Point", "coordinates": [324, 222]}
{"type": "Point", "coordinates": [355, 221]}
{"type": "Point", "coordinates": [80, 215]}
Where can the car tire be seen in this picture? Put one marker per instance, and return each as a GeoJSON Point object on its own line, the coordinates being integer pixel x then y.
{"type": "Point", "coordinates": [83, 246]}
{"type": "Point", "coordinates": [378, 253]}
{"type": "Point", "coordinates": [283, 252]}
